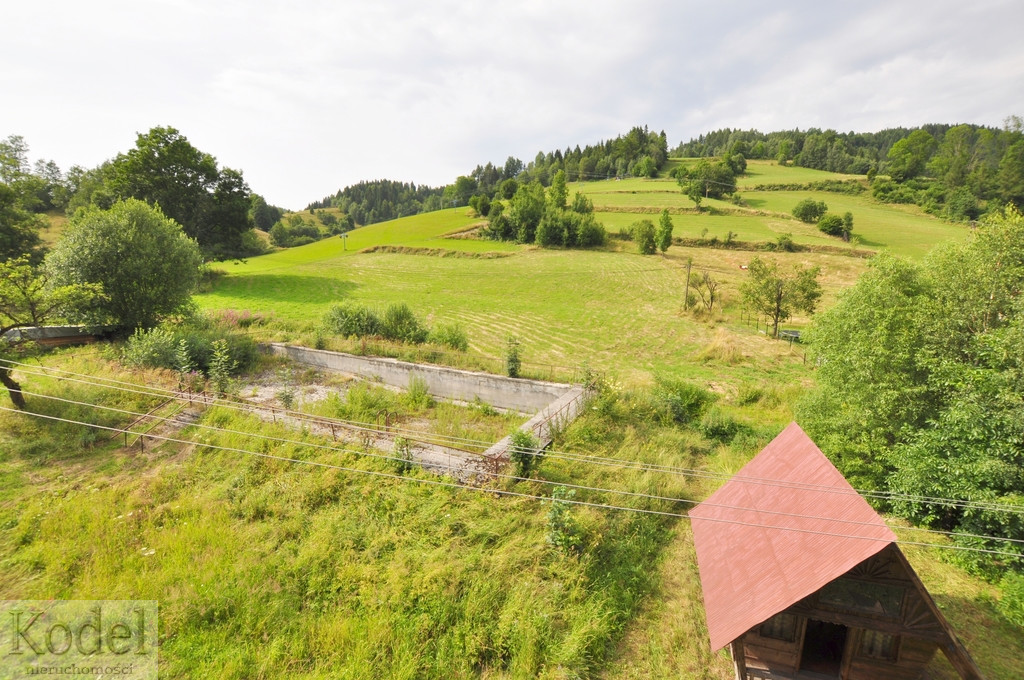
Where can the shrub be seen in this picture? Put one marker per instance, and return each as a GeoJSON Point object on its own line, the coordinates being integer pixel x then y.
{"type": "Point", "coordinates": [418, 396]}
{"type": "Point", "coordinates": [591, 234]}
{"type": "Point", "coordinates": [221, 367]}
{"type": "Point", "coordinates": [785, 243]}
{"type": "Point", "coordinates": [551, 231]}
{"type": "Point", "coordinates": [451, 335]}
{"type": "Point", "coordinates": [718, 426]}
{"type": "Point", "coordinates": [563, 530]}
{"type": "Point", "coordinates": [684, 402]}
{"type": "Point", "coordinates": [155, 348]}
{"type": "Point", "coordinates": [351, 320]}
{"type": "Point", "coordinates": [400, 324]}
{"type": "Point", "coordinates": [524, 452]}
{"type": "Point", "coordinates": [809, 210]}
{"type": "Point", "coordinates": [1011, 603]}
{"type": "Point", "coordinates": [831, 224]}
{"type": "Point", "coordinates": [643, 234]}
{"type": "Point", "coordinates": [403, 455]}
{"type": "Point", "coordinates": [187, 348]}
{"type": "Point", "coordinates": [513, 362]}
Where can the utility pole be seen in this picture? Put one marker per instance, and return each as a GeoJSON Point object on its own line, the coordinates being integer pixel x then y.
{"type": "Point", "coordinates": [686, 294]}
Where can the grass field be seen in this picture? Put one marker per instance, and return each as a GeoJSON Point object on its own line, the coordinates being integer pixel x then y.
{"type": "Point", "coordinates": [770, 172]}
{"type": "Point", "coordinates": [611, 308]}
{"type": "Point", "coordinates": [265, 568]}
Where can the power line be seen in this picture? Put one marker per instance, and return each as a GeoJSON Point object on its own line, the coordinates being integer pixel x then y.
{"type": "Point", "coordinates": [281, 440]}
{"type": "Point", "coordinates": [572, 457]}
{"type": "Point", "coordinates": [503, 492]}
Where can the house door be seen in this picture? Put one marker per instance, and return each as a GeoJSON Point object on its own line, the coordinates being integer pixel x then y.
{"type": "Point", "coordinates": [823, 648]}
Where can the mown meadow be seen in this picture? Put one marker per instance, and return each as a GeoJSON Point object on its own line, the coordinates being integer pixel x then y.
{"type": "Point", "coordinates": [308, 558]}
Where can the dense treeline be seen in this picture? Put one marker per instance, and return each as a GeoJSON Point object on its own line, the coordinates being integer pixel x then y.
{"type": "Point", "coordinates": [546, 218]}
{"type": "Point", "coordinates": [849, 152]}
{"type": "Point", "coordinates": [382, 200]}
{"type": "Point", "coordinates": [920, 377]}
{"type": "Point", "coordinates": [639, 153]}
{"type": "Point", "coordinates": [956, 171]}
{"type": "Point", "coordinates": [213, 204]}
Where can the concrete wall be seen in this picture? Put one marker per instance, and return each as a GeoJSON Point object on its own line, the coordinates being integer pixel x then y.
{"type": "Point", "coordinates": [518, 394]}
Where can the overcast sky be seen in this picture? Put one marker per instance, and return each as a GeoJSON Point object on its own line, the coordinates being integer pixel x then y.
{"type": "Point", "coordinates": [308, 97]}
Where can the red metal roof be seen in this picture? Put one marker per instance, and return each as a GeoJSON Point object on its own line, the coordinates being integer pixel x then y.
{"type": "Point", "coordinates": [780, 529]}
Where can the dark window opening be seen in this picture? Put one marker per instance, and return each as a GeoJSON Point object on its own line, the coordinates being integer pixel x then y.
{"type": "Point", "coordinates": [877, 645]}
{"type": "Point", "coordinates": [823, 647]}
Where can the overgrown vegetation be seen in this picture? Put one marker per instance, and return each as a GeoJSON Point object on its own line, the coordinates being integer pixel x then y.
{"type": "Point", "coordinates": [919, 386]}
{"type": "Point", "coordinates": [190, 346]}
{"type": "Point", "coordinates": [398, 323]}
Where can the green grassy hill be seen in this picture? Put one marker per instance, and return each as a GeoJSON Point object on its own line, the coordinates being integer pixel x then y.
{"type": "Point", "coordinates": [612, 308]}
{"type": "Point", "coordinates": [330, 564]}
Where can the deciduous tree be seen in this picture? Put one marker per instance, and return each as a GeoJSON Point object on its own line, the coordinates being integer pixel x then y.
{"type": "Point", "coordinates": [778, 295]}
{"type": "Point", "coordinates": [164, 169]}
{"type": "Point", "coordinates": [145, 263]}
{"type": "Point", "coordinates": [27, 299]}
{"type": "Point", "coordinates": [909, 156]}
{"type": "Point", "coordinates": [664, 236]}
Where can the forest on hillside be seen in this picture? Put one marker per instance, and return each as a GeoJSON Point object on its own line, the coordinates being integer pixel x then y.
{"type": "Point", "coordinates": [954, 171]}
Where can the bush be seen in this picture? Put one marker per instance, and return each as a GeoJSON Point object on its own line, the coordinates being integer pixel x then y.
{"type": "Point", "coordinates": [352, 321]}
{"type": "Point", "coordinates": [563, 529]}
{"type": "Point", "coordinates": [402, 460]}
{"type": "Point", "coordinates": [831, 224]}
{"type": "Point", "coordinates": [1011, 603]}
{"type": "Point", "coordinates": [451, 335]}
{"type": "Point", "coordinates": [155, 348]}
{"type": "Point", "coordinates": [187, 348]}
{"type": "Point", "coordinates": [809, 210]}
{"type": "Point", "coordinates": [718, 426]}
{"type": "Point", "coordinates": [524, 452]}
{"type": "Point", "coordinates": [643, 234]}
{"type": "Point", "coordinates": [591, 234]}
{"type": "Point", "coordinates": [418, 395]}
{"type": "Point", "coordinates": [400, 324]}
{"type": "Point", "coordinates": [513, 362]}
{"type": "Point", "coordinates": [683, 401]}
{"type": "Point", "coordinates": [784, 242]}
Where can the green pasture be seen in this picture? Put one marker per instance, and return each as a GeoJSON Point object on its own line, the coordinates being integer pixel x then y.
{"type": "Point", "coordinates": [610, 308]}
{"type": "Point", "coordinates": [615, 310]}
{"type": "Point", "coordinates": [418, 231]}
{"type": "Point", "coordinates": [770, 172]}
{"type": "Point", "coordinates": [750, 228]}
{"type": "Point", "coordinates": [902, 229]}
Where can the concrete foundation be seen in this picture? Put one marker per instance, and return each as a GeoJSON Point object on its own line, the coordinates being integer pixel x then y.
{"type": "Point", "coordinates": [554, 405]}
{"type": "Point", "coordinates": [517, 394]}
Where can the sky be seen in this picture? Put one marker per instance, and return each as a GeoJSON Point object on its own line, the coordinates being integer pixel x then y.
{"type": "Point", "coordinates": [307, 97]}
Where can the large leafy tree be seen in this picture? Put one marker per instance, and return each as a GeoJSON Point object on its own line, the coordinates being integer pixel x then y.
{"type": "Point", "coordinates": [19, 229]}
{"type": "Point", "coordinates": [707, 180]}
{"type": "Point", "coordinates": [164, 169]}
{"type": "Point", "coordinates": [778, 295]}
{"type": "Point", "coordinates": [525, 211]}
{"type": "Point", "coordinates": [147, 266]}
{"type": "Point", "coordinates": [28, 298]}
{"type": "Point", "coordinates": [921, 377]}
{"type": "Point", "coordinates": [908, 156]}
{"type": "Point", "coordinates": [1011, 175]}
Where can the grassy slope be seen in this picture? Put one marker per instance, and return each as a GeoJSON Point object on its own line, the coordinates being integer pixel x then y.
{"type": "Point", "coordinates": [266, 568]}
{"type": "Point", "coordinates": [385, 583]}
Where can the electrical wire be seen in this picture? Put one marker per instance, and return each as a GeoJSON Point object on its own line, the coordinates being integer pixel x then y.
{"type": "Point", "coordinates": [443, 483]}
{"type": "Point", "coordinates": [571, 457]}
{"type": "Point", "coordinates": [281, 440]}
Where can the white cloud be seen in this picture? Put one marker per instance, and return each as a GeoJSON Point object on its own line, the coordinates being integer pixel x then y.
{"type": "Point", "coordinates": [308, 97]}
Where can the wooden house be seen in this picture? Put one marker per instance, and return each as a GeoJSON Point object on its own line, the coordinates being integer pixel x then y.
{"type": "Point", "coordinates": [802, 579]}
